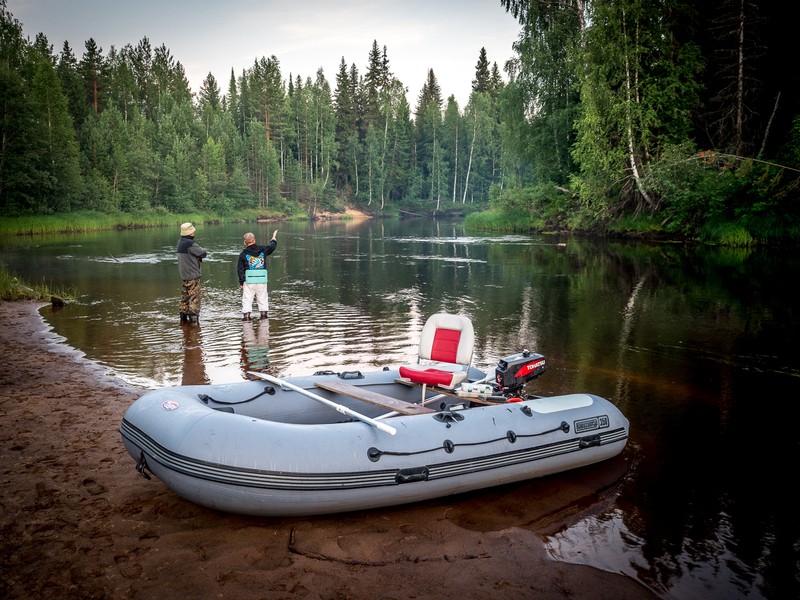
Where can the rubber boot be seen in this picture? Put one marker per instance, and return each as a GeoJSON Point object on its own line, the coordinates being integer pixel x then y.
{"type": "Point", "coordinates": [245, 316]}
{"type": "Point", "coordinates": [263, 314]}
{"type": "Point", "coordinates": [184, 317]}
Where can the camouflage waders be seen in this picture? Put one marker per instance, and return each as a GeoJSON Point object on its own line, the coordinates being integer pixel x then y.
{"type": "Point", "coordinates": [190, 299]}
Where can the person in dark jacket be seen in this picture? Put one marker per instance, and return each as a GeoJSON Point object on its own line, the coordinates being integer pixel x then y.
{"type": "Point", "coordinates": [190, 255]}
{"type": "Point", "coordinates": [252, 270]}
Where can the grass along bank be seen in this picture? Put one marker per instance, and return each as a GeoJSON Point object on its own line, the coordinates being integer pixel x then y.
{"type": "Point", "coordinates": [87, 221]}
{"type": "Point", "coordinates": [12, 288]}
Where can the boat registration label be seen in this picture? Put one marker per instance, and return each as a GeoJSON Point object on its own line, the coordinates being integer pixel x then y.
{"type": "Point", "coordinates": [591, 424]}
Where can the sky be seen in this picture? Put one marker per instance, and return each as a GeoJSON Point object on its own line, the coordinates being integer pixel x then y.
{"type": "Point", "coordinates": [304, 35]}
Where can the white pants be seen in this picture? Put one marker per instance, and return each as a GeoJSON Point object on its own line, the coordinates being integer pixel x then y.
{"type": "Point", "coordinates": [257, 291]}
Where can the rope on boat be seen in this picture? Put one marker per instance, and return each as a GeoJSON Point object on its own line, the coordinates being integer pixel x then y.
{"type": "Point", "coordinates": [267, 390]}
{"type": "Point", "coordinates": [449, 446]}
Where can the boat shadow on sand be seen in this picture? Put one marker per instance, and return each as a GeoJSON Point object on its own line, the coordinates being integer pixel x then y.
{"type": "Point", "coordinates": [425, 530]}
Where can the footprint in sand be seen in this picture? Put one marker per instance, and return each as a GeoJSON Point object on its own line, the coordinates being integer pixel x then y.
{"type": "Point", "coordinates": [94, 488]}
{"type": "Point", "coordinates": [127, 568]}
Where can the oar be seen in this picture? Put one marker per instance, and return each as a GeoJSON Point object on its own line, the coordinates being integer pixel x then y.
{"type": "Point", "coordinates": [339, 408]}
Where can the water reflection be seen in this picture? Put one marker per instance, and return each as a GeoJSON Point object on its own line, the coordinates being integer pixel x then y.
{"type": "Point", "coordinates": [697, 346]}
{"type": "Point", "coordinates": [547, 506]}
{"type": "Point", "coordinates": [194, 365]}
{"type": "Point", "coordinates": [255, 346]}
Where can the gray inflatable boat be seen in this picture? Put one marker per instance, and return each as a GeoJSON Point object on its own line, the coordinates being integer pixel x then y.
{"type": "Point", "coordinates": [338, 442]}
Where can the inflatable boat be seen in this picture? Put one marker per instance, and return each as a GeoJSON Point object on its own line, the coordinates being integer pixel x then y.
{"type": "Point", "coordinates": [338, 442]}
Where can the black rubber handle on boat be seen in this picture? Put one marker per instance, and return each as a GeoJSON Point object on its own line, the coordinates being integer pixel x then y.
{"type": "Point", "coordinates": [351, 375]}
{"type": "Point", "coordinates": [267, 390]}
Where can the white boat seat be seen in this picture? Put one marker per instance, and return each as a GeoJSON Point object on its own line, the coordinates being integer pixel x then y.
{"type": "Point", "coordinates": [445, 352]}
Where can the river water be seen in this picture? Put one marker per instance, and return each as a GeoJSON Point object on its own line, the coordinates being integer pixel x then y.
{"type": "Point", "coordinates": [697, 346]}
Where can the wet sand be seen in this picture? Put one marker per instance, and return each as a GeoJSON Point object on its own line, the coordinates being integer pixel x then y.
{"type": "Point", "coordinates": [77, 521]}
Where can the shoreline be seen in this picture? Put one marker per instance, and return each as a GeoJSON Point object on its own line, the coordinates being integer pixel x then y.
{"type": "Point", "coordinates": [79, 522]}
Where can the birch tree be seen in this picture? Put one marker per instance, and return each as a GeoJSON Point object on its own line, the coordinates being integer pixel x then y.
{"type": "Point", "coordinates": [478, 122]}
{"type": "Point", "coordinates": [545, 77]}
{"type": "Point", "coordinates": [638, 91]}
{"type": "Point", "coordinates": [452, 143]}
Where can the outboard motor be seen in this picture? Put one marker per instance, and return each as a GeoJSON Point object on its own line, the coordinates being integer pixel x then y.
{"type": "Point", "coordinates": [513, 372]}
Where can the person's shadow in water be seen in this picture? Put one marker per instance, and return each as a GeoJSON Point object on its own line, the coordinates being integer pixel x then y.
{"type": "Point", "coordinates": [255, 346]}
{"type": "Point", "coordinates": [194, 367]}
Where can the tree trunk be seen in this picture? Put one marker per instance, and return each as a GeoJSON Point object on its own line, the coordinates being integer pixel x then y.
{"type": "Point", "coordinates": [383, 158]}
{"type": "Point", "coordinates": [469, 163]}
{"type": "Point", "coordinates": [369, 183]}
{"type": "Point", "coordinates": [355, 168]}
{"type": "Point", "coordinates": [769, 125]}
{"type": "Point", "coordinates": [455, 168]}
{"type": "Point", "coordinates": [629, 128]}
{"type": "Point", "coordinates": [739, 132]}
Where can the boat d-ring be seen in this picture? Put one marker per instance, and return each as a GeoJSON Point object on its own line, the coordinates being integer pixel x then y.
{"type": "Point", "coordinates": [448, 417]}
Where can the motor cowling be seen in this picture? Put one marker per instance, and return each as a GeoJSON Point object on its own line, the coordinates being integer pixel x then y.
{"type": "Point", "coordinates": [513, 372]}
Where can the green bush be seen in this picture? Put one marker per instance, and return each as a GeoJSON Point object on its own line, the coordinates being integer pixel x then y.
{"type": "Point", "coordinates": [12, 288]}
{"type": "Point", "coordinates": [726, 234]}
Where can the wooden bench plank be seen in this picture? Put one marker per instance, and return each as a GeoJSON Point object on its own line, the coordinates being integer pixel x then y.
{"type": "Point", "coordinates": [360, 393]}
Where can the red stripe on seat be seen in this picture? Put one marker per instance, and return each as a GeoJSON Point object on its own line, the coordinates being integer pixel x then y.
{"type": "Point", "coordinates": [445, 345]}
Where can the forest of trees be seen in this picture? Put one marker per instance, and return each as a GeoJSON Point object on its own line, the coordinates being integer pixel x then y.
{"type": "Point", "coordinates": [684, 112]}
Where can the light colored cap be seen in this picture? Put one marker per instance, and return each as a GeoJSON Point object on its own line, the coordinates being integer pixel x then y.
{"type": "Point", "coordinates": [187, 229]}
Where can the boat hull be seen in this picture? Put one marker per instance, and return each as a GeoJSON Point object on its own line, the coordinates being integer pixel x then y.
{"type": "Point", "coordinates": [240, 449]}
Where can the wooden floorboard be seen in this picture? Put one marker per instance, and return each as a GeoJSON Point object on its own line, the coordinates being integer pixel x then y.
{"type": "Point", "coordinates": [361, 393]}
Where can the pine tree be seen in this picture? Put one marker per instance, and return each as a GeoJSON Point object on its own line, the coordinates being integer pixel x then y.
{"type": "Point", "coordinates": [483, 80]}
{"type": "Point", "coordinates": [209, 104]}
{"type": "Point", "coordinates": [15, 192]}
{"type": "Point", "coordinates": [71, 83]}
{"type": "Point", "coordinates": [401, 163]}
{"type": "Point", "coordinates": [38, 152]}
{"type": "Point", "coordinates": [56, 163]}
{"type": "Point", "coordinates": [428, 119]}
{"type": "Point", "coordinates": [346, 129]}
{"type": "Point", "coordinates": [373, 81]}
{"type": "Point", "coordinates": [92, 70]}
{"type": "Point", "coordinates": [733, 121]}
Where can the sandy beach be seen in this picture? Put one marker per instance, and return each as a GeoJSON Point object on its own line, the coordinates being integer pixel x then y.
{"type": "Point", "coordinates": [77, 521]}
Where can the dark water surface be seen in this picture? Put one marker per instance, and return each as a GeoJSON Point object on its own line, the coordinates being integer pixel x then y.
{"type": "Point", "coordinates": [697, 346]}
